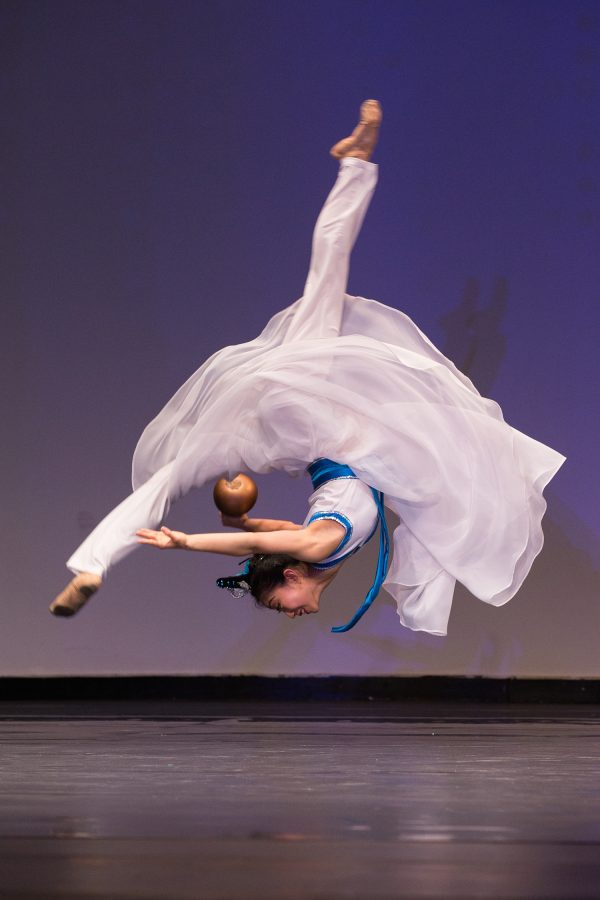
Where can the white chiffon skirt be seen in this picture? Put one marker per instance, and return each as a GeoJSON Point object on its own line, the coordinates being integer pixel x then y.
{"type": "Point", "coordinates": [370, 390]}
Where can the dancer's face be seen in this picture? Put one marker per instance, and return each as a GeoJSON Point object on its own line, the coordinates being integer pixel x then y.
{"type": "Point", "coordinates": [298, 596]}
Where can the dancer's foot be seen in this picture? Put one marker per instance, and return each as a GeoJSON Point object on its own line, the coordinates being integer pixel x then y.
{"type": "Point", "coordinates": [361, 142]}
{"type": "Point", "coordinates": [77, 592]}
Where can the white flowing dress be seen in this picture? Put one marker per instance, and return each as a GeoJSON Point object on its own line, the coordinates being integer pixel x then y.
{"type": "Point", "coordinates": [357, 382]}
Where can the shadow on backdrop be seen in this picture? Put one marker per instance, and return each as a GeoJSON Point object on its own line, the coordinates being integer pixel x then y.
{"type": "Point", "coordinates": [568, 569]}
{"type": "Point", "coordinates": [473, 334]}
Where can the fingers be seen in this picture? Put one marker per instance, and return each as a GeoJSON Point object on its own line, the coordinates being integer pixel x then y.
{"type": "Point", "coordinates": [149, 532]}
{"type": "Point", "coordinates": [147, 536]}
{"type": "Point", "coordinates": [164, 538]}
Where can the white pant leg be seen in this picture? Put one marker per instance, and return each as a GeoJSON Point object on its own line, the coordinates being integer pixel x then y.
{"type": "Point", "coordinates": [114, 537]}
{"type": "Point", "coordinates": [319, 312]}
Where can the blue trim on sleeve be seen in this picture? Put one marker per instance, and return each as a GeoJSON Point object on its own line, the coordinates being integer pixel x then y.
{"type": "Point", "coordinates": [343, 520]}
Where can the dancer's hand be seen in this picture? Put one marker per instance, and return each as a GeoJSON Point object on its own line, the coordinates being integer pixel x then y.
{"type": "Point", "coordinates": [235, 521]}
{"type": "Point", "coordinates": [165, 539]}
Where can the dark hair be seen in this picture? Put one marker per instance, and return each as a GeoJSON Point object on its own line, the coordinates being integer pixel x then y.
{"type": "Point", "coordinates": [266, 572]}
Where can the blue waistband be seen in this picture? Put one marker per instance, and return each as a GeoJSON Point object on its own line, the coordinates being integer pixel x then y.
{"type": "Point", "coordinates": [322, 470]}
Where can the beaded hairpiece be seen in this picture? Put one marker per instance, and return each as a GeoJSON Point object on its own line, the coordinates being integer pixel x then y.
{"type": "Point", "coordinates": [236, 584]}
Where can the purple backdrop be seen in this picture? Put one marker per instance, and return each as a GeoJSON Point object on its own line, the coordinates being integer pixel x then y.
{"type": "Point", "coordinates": [164, 164]}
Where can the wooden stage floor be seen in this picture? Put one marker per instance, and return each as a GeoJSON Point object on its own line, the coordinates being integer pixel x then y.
{"type": "Point", "coordinates": [313, 801]}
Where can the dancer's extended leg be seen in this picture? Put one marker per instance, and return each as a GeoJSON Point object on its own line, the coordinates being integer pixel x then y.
{"type": "Point", "coordinates": [113, 539]}
{"type": "Point", "coordinates": [318, 315]}
{"type": "Point", "coordinates": [319, 312]}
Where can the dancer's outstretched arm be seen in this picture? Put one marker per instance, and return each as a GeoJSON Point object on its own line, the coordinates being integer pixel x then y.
{"type": "Point", "coordinates": [311, 544]}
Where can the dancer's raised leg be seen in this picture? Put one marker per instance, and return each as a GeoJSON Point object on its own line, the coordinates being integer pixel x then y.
{"type": "Point", "coordinates": [318, 314]}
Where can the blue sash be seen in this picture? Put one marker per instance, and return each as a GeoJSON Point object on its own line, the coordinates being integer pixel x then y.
{"type": "Point", "coordinates": [323, 470]}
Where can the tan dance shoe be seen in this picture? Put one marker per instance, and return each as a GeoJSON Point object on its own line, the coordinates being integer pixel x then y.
{"type": "Point", "coordinates": [77, 592]}
{"type": "Point", "coordinates": [363, 139]}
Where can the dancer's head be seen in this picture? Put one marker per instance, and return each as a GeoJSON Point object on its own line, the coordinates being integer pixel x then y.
{"type": "Point", "coordinates": [279, 582]}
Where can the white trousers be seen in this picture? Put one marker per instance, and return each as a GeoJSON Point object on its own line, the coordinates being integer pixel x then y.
{"type": "Point", "coordinates": [334, 235]}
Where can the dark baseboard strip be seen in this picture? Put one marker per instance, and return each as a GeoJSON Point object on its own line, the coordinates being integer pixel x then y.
{"type": "Point", "coordinates": [256, 688]}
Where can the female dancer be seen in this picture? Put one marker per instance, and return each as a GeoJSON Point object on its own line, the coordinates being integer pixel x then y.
{"type": "Point", "coordinates": [354, 392]}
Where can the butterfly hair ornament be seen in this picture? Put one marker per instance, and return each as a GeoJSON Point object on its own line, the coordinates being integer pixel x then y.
{"type": "Point", "coordinates": [237, 585]}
